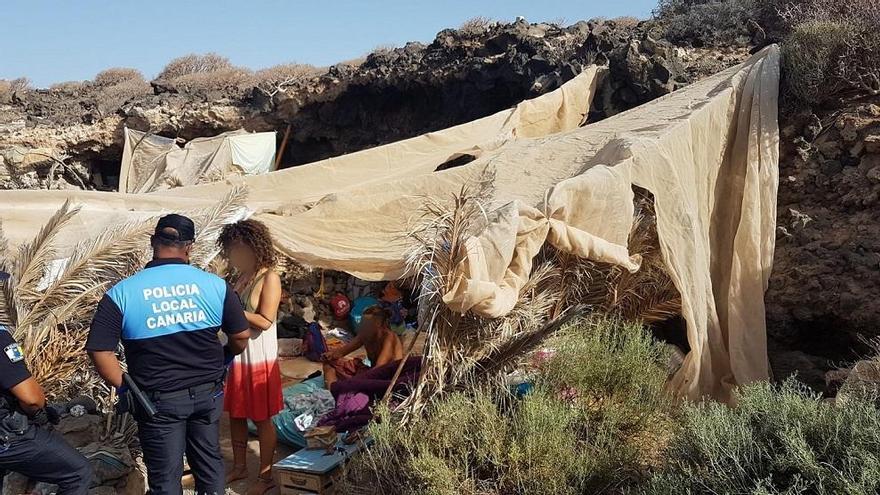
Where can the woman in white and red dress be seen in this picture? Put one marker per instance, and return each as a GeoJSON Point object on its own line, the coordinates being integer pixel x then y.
{"type": "Point", "coordinates": [253, 385]}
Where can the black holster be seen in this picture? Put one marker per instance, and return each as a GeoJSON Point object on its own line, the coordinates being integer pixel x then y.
{"type": "Point", "coordinates": [13, 424]}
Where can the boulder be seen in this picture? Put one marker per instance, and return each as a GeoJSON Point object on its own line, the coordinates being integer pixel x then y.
{"type": "Point", "coordinates": [136, 482]}
{"type": "Point", "coordinates": [111, 464]}
{"type": "Point", "coordinates": [80, 431]}
{"type": "Point", "coordinates": [872, 143]}
{"type": "Point", "coordinates": [14, 484]}
{"type": "Point", "coordinates": [804, 367]}
{"type": "Point", "coordinates": [864, 377]}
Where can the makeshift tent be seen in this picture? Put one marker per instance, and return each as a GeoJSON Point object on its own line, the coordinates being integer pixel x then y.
{"type": "Point", "coordinates": [151, 162]}
{"type": "Point", "coordinates": [23, 212]}
{"type": "Point", "coordinates": [708, 153]}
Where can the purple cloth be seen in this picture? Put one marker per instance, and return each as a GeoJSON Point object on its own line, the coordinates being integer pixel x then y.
{"type": "Point", "coordinates": [355, 396]}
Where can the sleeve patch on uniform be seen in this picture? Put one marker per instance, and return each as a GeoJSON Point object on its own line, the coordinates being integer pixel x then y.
{"type": "Point", "coordinates": [13, 352]}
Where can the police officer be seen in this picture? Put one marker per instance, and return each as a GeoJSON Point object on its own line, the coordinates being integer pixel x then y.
{"type": "Point", "coordinates": [26, 446]}
{"type": "Point", "coordinates": [168, 317]}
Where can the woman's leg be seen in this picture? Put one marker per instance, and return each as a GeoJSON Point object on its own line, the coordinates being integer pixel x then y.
{"type": "Point", "coordinates": [239, 432]}
{"type": "Point", "coordinates": [268, 442]}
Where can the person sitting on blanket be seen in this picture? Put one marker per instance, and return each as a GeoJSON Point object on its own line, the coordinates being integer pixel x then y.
{"type": "Point", "coordinates": [383, 346]}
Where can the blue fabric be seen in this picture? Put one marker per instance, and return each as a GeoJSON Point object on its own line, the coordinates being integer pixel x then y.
{"type": "Point", "coordinates": [357, 309]}
{"type": "Point", "coordinates": [169, 299]}
{"type": "Point", "coordinates": [284, 424]}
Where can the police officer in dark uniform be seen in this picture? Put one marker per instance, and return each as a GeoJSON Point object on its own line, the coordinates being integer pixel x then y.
{"type": "Point", "coordinates": [26, 446]}
{"type": "Point", "coordinates": [168, 317]}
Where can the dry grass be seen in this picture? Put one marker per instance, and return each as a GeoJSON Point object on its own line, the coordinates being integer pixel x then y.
{"type": "Point", "coordinates": [475, 26]}
{"type": "Point", "coordinates": [112, 97]}
{"type": "Point", "coordinates": [276, 79]}
{"type": "Point", "coordinates": [51, 320]}
{"type": "Point", "coordinates": [194, 64]}
{"type": "Point", "coordinates": [234, 80]}
{"type": "Point", "coordinates": [69, 87]}
{"type": "Point", "coordinates": [12, 86]}
{"type": "Point", "coordinates": [117, 75]}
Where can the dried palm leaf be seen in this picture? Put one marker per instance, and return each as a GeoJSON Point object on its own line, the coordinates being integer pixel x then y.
{"type": "Point", "coordinates": [211, 222]}
{"type": "Point", "coordinates": [29, 268]}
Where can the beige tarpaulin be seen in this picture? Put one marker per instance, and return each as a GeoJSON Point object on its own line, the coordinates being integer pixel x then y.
{"type": "Point", "coordinates": [292, 188]}
{"type": "Point", "coordinates": [151, 163]}
{"type": "Point", "coordinates": [708, 153]}
{"type": "Point", "coordinates": [22, 213]}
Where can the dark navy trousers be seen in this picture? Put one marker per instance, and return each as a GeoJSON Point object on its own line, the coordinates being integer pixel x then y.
{"type": "Point", "coordinates": [186, 422]}
{"type": "Point", "coordinates": [45, 456]}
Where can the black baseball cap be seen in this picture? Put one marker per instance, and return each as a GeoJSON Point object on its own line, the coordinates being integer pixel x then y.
{"type": "Point", "coordinates": [184, 228]}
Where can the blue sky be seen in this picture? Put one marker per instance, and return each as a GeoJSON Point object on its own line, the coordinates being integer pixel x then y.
{"type": "Point", "coordinates": [53, 41]}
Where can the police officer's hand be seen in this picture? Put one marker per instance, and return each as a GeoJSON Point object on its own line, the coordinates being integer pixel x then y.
{"type": "Point", "coordinates": [53, 415]}
{"type": "Point", "coordinates": [125, 402]}
{"type": "Point", "coordinates": [228, 355]}
{"type": "Point", "coordinates": [40, 418]}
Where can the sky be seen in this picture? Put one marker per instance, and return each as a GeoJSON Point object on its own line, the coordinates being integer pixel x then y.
{"type": "Point", "coordinates": [50, 41]}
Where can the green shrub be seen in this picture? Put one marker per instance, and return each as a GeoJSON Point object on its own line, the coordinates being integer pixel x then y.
{"type": "Point", "coordinates": [779, 439]}
{"type": "Point", "coordinates": [833, 48]}
{"type": "Point", "coordinates": [595, 420]}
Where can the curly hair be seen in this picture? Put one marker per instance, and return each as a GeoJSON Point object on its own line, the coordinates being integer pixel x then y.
{"type": "Point", "coordinates": [253, 234]}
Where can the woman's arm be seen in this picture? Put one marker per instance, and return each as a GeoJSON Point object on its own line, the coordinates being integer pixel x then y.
{"type": "Point", "coordinates": [355, 344]}
{"type": "Point", "coordinates": [267, 308]}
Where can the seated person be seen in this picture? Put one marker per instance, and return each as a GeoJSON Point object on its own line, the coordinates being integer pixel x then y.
{"type": "Point", "coordinates": [383, 346]}
{"type": "Point", "coordinates": [392, 300]}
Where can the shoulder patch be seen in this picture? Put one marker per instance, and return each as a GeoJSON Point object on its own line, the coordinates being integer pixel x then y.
{"type": "Point", "coordinates": [13, 352]}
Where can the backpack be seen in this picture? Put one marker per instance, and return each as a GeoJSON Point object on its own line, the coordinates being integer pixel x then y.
{"type": "Point", "coordinates": [314, 344]}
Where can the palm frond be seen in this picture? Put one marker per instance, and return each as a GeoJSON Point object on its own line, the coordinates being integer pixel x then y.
{"type": "Point", "coordinates": [96, 264]}
{"type": "Point", "coordinates": [211, 222]}
{"type": "Point", "coordinates": [7, 303]}
{"type": "Point", "coordinates": [29, 267]}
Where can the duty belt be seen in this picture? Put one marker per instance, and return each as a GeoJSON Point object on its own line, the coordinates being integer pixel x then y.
{"type": "Point", "coordinates": [191, 391]}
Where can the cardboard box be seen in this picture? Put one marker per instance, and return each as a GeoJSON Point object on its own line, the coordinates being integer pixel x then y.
{"type": "Point", "coordinates": [312, 471]}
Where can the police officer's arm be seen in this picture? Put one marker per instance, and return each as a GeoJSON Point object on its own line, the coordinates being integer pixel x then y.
{"type": "Point", "coordinates": [267, 308]}
{"type": "Point", "coordinates": [30, 395]}
{"type": "Point", "coordinates": [15, 377]}
{"type": "Point", "coordinates": [103, 341]}
{"type": "Point", "coordinates": [234, 324]}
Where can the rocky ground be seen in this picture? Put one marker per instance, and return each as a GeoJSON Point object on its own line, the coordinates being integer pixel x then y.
{"type": "Point", "coordinates": [825, 288]}
{"type": "Point", "coordinates": [824, 297]}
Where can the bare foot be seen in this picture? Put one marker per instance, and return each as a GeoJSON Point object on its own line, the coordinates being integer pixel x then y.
{"type": "Point", "coordinates": [263, 485]}
{"type": "Point", "coordinates": [236, 473]}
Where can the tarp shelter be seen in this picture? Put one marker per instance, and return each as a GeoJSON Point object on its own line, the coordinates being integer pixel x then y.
{"type": "Point", "coordinates": [22, 212]}
{"type": "Point", "coordinates": [151, 162]}
{"type": "Point", "coordinates": [708, 153]}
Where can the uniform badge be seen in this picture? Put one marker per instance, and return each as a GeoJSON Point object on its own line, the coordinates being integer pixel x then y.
{"type": "Point", "coordinates": [13, 352]}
